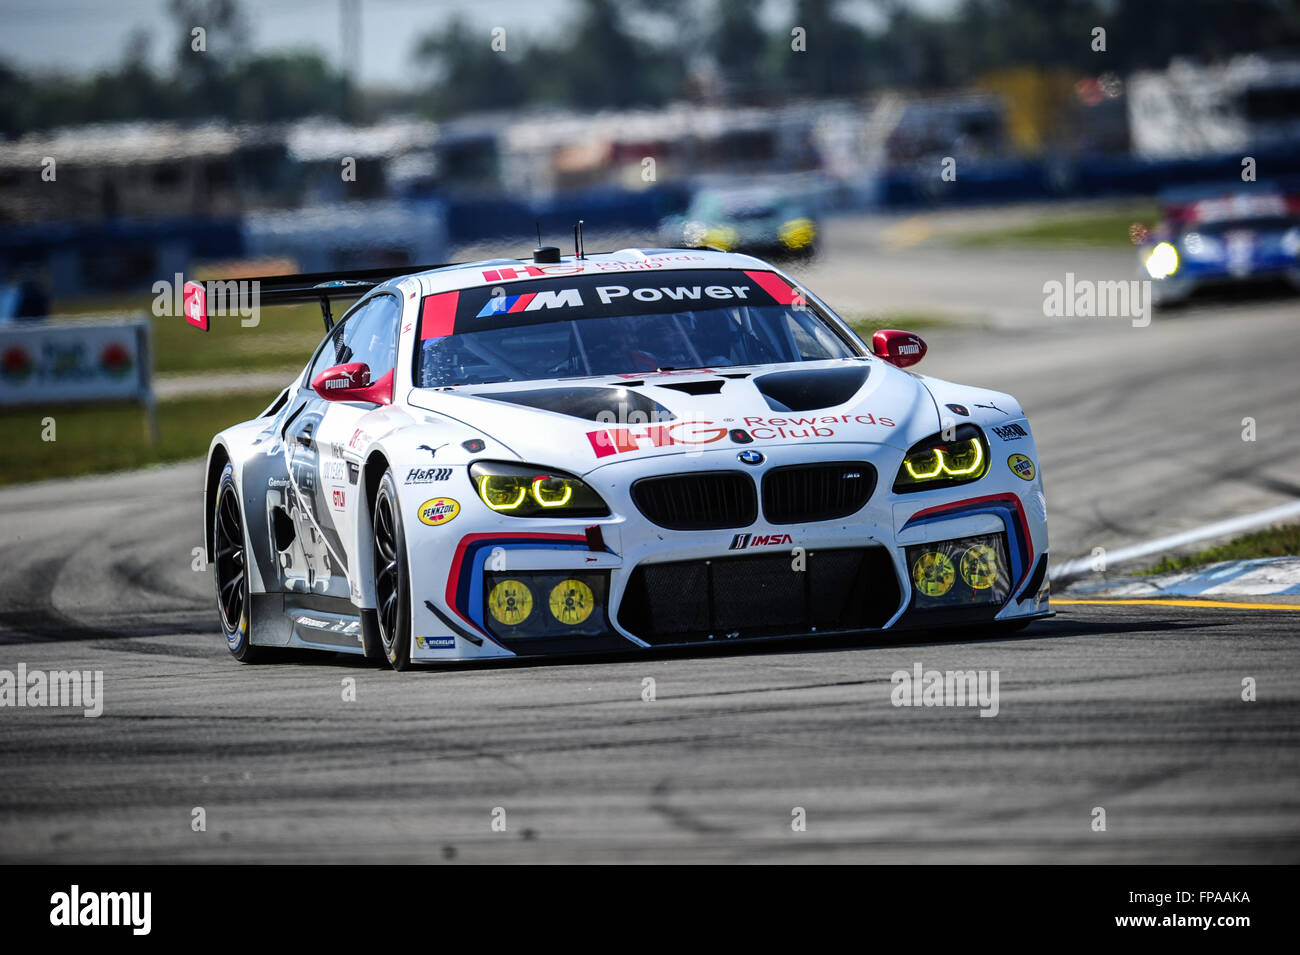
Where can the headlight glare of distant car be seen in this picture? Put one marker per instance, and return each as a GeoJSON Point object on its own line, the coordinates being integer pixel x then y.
{"type": "Point", "coordinates": [1291, 241]}
{"type": "Point", "coordinates": [526, 491]}
{"type": "Point", "coordinates": [1200, 247]}
{"type": "Point", "coordinates": [1162, 261]}
{"type": "Point", "coordinates": [936, 462]}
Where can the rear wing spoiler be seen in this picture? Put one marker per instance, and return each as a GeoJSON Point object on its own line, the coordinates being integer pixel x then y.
{"type": "Point", "coordinates": [240, 296]}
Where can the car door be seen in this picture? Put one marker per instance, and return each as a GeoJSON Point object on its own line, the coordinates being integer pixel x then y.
{"type": "Point", "coordinates": [323, 441]}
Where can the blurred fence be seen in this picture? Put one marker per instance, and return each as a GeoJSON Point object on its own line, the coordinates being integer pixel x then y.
{"type": "Point", "coordinates": [131, 254]}
{"type": "Point", "coordinates": [1085, 178]}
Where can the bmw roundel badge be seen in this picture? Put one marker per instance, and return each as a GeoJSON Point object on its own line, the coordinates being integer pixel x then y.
{"type": "Point", "coordinates": [751, 456]}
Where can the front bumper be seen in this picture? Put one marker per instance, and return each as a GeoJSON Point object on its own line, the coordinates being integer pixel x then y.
{"type": "Point", "coordinates": [635, 584]}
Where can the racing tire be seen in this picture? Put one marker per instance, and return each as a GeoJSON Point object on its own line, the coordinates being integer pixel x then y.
{"type": "Point", "coordinates": [392, 576]}
{"type": "Point", "coordinates": [230, 571]}
{"type": "Point", "coordinates": [371, 645]}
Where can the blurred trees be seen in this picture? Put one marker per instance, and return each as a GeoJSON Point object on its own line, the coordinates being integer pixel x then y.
{"type": "Point", "coordinates": [647, 52]}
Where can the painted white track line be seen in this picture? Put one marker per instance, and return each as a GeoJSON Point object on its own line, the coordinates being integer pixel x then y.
{"type": "Point", "coordinates": [1083, 565]}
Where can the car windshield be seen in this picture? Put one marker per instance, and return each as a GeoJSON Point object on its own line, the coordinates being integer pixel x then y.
{"type": "Point", "coordinates": [623, 327]}
{"type": "Point", "coordinates": [738, 206]}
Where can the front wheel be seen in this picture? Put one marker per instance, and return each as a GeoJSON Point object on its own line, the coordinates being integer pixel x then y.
{"type": "Point", "coordinates": [392, 576]}
{"type": "Point", "coordinates": [230, 570]}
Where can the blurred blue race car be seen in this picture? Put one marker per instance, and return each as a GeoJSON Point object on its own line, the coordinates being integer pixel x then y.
{"type": "Point", "coordinates": [1214, 238]}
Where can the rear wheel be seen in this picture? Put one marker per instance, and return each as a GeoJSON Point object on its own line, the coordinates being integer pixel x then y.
{"type": "Point", "coordinates": [230, 570]}
{"type": "Point", "coordinates": [392, 576]}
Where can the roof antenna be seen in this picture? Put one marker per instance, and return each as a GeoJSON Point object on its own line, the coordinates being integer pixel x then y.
{"type": "Point", "coordinates": [547, 254]}
{"type": "Point", "coordinates": [579, 246]}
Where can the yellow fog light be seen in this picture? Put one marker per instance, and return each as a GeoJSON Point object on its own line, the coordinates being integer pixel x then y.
{"type": "Point", "coordinates": [572, 601]}
{"type": "Point", "coordinates": [934, 574]}
{"type": "Point", "coordinates": [511, 602]}
{"type": "Point", "coordinates": [979, 566]}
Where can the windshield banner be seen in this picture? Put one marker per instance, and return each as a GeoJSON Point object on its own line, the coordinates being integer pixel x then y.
{"type": "Point", "coordinates": [566, 297]}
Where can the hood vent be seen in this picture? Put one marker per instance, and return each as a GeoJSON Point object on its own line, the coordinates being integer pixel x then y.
{"type": "Point", "coordinates": [590, 404]}
{"type": "Point", "coordinates": [812, 389]}
{"type": "Point", "coordinates": [707, 386]}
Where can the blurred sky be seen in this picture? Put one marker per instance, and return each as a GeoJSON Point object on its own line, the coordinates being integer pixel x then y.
{"type": "Point", "coordinates": [81, 36]}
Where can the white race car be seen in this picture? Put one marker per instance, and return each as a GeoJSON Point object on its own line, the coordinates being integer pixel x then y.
{"type": "Point", "coordinates": [636, 449]}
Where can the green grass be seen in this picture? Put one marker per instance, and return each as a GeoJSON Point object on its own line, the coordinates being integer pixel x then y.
{"type": "Point", "coordinates": [284, 337]}
{"type": "Point", "coordinates": [113, 437]}
{"type": "Point", "coordinates": [1281, 541]}
{"type": "Point", "coordinates": [1103, 229]}
{"type": "Point", "coordinates": [866, 324]}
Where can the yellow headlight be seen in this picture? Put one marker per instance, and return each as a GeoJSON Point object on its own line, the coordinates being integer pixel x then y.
{"type": "Point", "coordinates": [798, 233]}
{"type": "Point", "coordinates": [965, 459]}
{"type": "Point", "coordinates": [502, 492]}
{"type": "Point", "coordinates": [552, 491]}
{"type": "Point", "coordinates": [721, 237]}
{"type": "Point", "coordinates": [925, 465]}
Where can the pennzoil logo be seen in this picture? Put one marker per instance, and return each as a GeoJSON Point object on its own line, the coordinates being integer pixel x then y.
{"type": "Point", "coordinates": [439, 511]}
{"type": "Point", "coordinates": [1021, 467]}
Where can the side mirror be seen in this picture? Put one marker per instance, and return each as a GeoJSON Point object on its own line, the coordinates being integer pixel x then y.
{"type": "Point", "coordinates": [898, 348]}
{"type": "Point", "coordinates": [351, 382]}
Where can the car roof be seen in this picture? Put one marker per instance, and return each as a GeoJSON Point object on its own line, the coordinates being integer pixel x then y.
{"type": "Point", "coordinates": [492, 272]}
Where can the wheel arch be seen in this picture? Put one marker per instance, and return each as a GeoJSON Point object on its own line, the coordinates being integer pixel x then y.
{"type": "Point", "coordinates": [372, 472]}
{"type": "Point", "coordinates": [218, 458]}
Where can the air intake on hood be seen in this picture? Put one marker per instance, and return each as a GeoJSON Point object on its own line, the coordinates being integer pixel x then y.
{"type": "Point", "coordinates": [811, 389]}
{"type": "Point", "coordinates": [590, 404]}
{"type": "Point", "coordinates": [708, 386]}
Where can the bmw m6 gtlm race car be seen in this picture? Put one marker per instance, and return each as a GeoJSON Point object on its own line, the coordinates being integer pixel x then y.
{"type": "Point", "coordinates": [635, 449]}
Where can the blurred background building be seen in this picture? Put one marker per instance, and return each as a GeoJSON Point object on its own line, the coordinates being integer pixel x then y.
{"type": "Point", "coordinates": [616, 113]}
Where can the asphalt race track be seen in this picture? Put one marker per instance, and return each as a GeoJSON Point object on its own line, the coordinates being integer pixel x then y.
{"type": "Point", "coordinates": [1134, 709]}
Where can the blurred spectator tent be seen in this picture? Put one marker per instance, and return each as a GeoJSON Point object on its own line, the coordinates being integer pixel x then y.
{"type": "Point", "coordinates": [1247, 103]}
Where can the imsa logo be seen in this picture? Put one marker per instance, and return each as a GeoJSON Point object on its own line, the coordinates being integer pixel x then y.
{"type": "Point", "coordinates": [745, 541]}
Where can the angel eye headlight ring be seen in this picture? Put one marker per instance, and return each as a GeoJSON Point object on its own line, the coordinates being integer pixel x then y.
{"type": "Point", "coordinates": [944, 461]}
{"type": "Point", "coordinates": [522, 490]}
